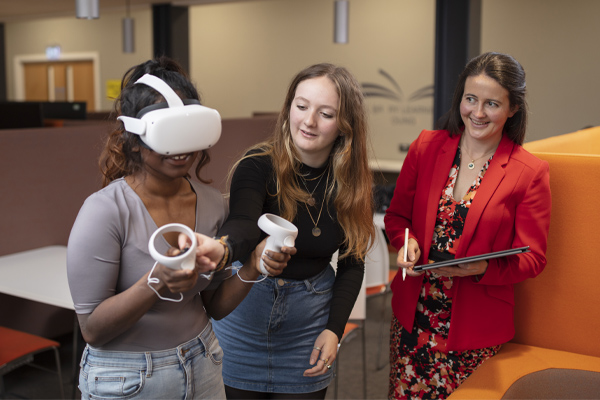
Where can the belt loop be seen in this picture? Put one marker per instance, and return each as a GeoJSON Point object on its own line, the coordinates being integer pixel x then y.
{"type": "Point", "coordinates": [148, 364]}
{"type": "Point", "coordinates": [308, 284]}
{"type": "Point", "coordinates": [204, 344]}
{"type": "Point", "coordinates": [84, 356]}
{"type": "Point", "coordinates": [206, 341]}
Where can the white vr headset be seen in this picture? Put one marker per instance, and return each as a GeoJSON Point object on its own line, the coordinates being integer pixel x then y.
{"type": "Point", "coordinates": [174, 127]}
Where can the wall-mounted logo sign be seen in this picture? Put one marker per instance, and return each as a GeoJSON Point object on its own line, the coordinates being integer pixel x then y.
{"type": "Point", "coordinates": [391, 101]}
{"type": "Point", "coordinates": [397, 115]}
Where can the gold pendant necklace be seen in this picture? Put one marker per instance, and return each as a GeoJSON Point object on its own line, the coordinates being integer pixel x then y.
{"type": "Point", "coordinates": [311, 200]}
{"type": "Point", "coordinates": [316, 231]}
{"type": "Point", "coordinates": [471, 165]}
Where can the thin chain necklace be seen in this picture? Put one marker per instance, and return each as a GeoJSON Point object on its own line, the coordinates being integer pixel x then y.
{"type": "Point", "coordinates": [316, 177]}
{"type": "Point", "coordinates": [471, 165]}
{"type": "Point", "coordinates": [316, 231]}
{"type": "Point", "coordinates": [311, 200]}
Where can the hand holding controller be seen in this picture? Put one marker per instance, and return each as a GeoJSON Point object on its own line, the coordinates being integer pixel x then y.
{"type": "Point", "coordinates": [281, 233]}
{"type": "Point", "coordinates": [185, 260]}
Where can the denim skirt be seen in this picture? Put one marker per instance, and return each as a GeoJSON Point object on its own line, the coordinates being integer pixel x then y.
{"type": "Point", "coordinates": [267, 340]}
{"type": "Point", "coordinates": [192, 370]}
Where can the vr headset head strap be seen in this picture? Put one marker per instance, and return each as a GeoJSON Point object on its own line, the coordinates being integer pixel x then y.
{"type": "Point", "coordinates": [163, 88]}
{"type": "Point", "coordinates": [136, 125]}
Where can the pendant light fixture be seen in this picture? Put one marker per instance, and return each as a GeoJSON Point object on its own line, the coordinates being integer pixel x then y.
{"type": "Point", "coordinates": [87, 9]}
{"type": "Point", "coordinates": [128, 38]}
{"type": "Point", "coordinates": [340, 30]}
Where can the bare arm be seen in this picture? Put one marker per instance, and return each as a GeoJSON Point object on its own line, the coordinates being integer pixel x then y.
{"type": "Point", "coordinates": [220, 302]}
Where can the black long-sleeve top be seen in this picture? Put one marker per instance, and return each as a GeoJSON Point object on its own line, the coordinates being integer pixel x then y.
{"type": "Point", "coordinates": [253, 189]}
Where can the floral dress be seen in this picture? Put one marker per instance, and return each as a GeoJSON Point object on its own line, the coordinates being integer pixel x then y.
{"type": "Point", "coordinates": [421, 367]}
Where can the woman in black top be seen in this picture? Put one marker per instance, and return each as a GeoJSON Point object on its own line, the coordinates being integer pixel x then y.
{"type": "Point", "coordinates": [313, 171]}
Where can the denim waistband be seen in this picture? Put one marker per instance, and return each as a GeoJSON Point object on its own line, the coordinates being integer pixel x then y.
{"type": "Point", "coordinates": [152, 359]}
{"type": "Point", "coordinates": [287, 282]}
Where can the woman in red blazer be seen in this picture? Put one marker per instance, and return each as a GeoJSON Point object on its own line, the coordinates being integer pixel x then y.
{"type": "Point", "coordinates": [466, 190]}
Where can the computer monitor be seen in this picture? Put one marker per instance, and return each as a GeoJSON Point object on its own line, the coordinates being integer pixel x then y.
{"type": "Point", "coordinates": [17, 115]}
{"type": "Point", "coordinates": [64, 110]}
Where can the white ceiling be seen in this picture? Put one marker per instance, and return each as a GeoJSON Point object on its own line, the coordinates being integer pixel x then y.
{"type": "Point", "coordinates": [21, 10]}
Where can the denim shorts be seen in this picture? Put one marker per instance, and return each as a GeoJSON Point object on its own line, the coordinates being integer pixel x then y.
{"type": "Point", "coordinates": [268, 338]}
{"type": "Point", "coordinates": [192, 370]}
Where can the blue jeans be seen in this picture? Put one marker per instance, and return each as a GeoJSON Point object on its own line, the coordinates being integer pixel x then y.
{"type": "Point", "coordinates": [192, 370]}
{"type": "Point", "coordinates": [269, 337]}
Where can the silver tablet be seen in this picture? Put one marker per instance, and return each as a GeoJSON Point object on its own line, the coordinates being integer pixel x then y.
{"type": "Point", "coordinates": [456, 261]}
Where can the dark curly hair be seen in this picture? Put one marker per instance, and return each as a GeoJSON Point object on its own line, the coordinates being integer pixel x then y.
{"type": "Point", "coordinates": [120, 156]}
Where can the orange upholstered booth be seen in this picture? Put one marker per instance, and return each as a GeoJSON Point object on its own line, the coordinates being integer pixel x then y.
{"type": "Point", "coordinates": [556, 349]}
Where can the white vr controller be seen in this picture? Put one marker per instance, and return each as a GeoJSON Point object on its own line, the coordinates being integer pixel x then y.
{"type": "Point", "coordinates": [281, 233]}
{"type": "Point", "coordinates": [186, 260]}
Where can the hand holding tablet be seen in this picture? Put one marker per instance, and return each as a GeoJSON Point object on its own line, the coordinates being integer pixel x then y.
{"type": "Point", "coordinates": [463, 260]}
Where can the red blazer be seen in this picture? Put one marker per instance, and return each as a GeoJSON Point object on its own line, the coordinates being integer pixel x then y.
{"type": "Point", "coordinates": [511, 209]}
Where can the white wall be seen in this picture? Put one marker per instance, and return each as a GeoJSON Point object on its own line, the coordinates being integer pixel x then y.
{"type": "Point", "coordinates": [557, 43]}
{"type": "Point", "coordinates": [102, 35]}
{"type": "Point", "coordinates": [243, 55]}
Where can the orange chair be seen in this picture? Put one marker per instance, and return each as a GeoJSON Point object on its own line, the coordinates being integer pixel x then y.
{"type": "Point", "coordinates": [19, 348]}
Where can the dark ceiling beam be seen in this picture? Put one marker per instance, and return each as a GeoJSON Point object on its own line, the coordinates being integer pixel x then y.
{"type": "Point", "coordinates": [170, 33]}
{"type": "Point", "coordinates": [457, 40]}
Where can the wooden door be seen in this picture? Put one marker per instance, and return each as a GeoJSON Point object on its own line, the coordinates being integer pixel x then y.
{"type": "Point", "coordinates": [60, 81]}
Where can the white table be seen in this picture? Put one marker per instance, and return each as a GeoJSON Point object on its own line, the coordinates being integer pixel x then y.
{"type": "Point", "coordinates": [38, 275]}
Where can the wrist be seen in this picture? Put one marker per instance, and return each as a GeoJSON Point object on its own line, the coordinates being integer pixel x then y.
{"type": "Point", "coordinates": [161, 287]}
{"type": "Point", "coordinates": [225, 259]}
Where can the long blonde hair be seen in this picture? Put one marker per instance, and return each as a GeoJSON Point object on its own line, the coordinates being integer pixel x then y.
{"type": "Point", "coordinates": [352, 183]}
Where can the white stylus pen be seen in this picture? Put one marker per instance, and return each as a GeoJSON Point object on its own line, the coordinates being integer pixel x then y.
{"type": "Point", "coordinates": [405, 252]}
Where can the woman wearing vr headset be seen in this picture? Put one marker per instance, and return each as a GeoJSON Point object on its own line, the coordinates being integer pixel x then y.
{"type": "Point", "coordinates": [147, 326]}
{"type": "Point", "coordinates": [282, 340]}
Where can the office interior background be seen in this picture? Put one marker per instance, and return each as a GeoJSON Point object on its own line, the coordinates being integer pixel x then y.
{"type": "Point", "coordinates": [242, 55]}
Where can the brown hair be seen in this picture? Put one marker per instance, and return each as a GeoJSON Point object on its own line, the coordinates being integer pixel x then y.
{"type": "Point", "coordinates": [120, 156]}
{"type": "Point", "coordinates": [505, 70]}
{"type": "Point", "coordinates": [352, 181]}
